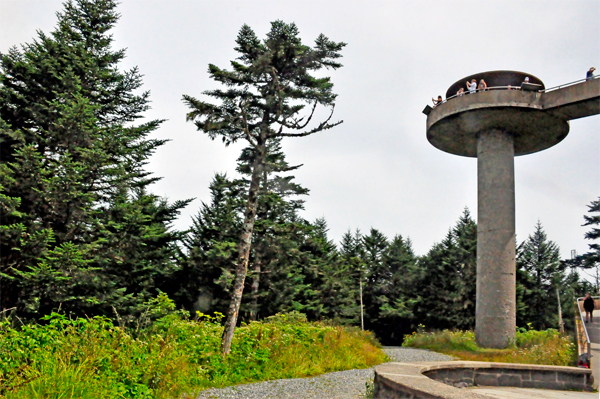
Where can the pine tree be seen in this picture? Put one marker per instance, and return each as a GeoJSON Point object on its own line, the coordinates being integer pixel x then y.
{"type": "Point", "coordinates": [592, 258]}
{"type": "Point", "coordinates": [276, 218]}
{"type": "Point", "coordinates": [448, 273]}
{"type": "Point", "coordinates": [377, 277]}
{"type": "Point", "coordinates": [330, 291]}
{"type": "Point", "coordinates": [72, 172]}
{"type": "Point", "coordinates": [267, 91]}
{"type": "Point", "coordinates": [205, 277]}
{"type": "Point", "coordinates": [400, 296]}
{"type": "Point", "coordinates": [464, 261]}
{"type": "Point", "coordinates": [352, 259]}
{"type": "Point", "coordinates": [540, 273]}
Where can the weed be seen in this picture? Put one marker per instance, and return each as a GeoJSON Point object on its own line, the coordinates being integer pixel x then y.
{"type": "Point", "coordinates": [531, 347]}
{"type": "Point", "coordinates": [369, 390]}
{"type": "Point", "coordinates": [171, 357]}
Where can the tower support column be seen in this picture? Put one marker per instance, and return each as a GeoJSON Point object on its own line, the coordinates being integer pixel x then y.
{"type": "Point", "coordinates": [495, 314]}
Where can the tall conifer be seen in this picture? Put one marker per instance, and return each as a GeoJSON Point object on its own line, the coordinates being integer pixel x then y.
{"type": "Point", "coordinates": [72, 173]}
{"type": "Point", "coordinates": [266, 93]}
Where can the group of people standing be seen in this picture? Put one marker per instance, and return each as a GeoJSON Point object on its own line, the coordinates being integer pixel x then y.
{"type": "Point", "coordinates": [473, 87]}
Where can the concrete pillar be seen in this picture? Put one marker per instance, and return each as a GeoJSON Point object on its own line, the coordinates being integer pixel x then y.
{"type": "Point", "coordinates": [495, 314]}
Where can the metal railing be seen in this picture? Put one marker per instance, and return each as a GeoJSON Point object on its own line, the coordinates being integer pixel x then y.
{"type": "Point", "coordinates": [569, 84]}
{"type": "Point", "coordinates": [588, 346]}
{"type": "Point", "coordinates": [510, 87]}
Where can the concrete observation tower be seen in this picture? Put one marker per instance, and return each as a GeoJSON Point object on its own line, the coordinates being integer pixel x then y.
{"type": "Point", "coordinates": [507, 120]}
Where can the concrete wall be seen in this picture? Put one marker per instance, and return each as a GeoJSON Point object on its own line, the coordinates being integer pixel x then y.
{"type": "Point", "coordinates": [451, 380]}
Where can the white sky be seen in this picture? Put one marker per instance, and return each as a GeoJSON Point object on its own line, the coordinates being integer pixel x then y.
{"type": "Point", "coordinates": [377, 169]}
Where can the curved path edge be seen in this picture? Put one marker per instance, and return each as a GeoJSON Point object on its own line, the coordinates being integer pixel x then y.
{"type": "Point", "coordinates": [447, 380]}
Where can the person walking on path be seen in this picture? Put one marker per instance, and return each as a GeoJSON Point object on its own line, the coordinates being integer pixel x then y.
{"type": "Point", "coordinates": [588, 306]}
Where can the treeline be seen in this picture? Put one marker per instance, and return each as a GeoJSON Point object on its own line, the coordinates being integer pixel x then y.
{"type": "Point", "coordinates": [82, 234]}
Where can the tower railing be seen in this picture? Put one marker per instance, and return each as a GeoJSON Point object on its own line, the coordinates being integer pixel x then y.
{"type": "Point", "coordinates": [510, 87]}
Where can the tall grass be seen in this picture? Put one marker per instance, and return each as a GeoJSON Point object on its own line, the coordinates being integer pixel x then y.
{"type": "Point", "coordinates": [92, 358]}
{"type": "Point", "coordinates": [531, 347]}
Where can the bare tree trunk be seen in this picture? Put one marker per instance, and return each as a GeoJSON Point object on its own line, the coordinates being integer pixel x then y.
{"type": "Point", "coordinates": [254, 287]}
{"type": "Point", "coordinates": [244, 253]}
{"type": "Point", "coordinates": [561, 325]}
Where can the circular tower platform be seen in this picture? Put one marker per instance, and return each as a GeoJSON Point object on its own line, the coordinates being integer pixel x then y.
{"type": "Point", "coordinates": [455, 125]}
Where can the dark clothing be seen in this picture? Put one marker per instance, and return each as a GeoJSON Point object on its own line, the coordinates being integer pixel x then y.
{"type": "Point", "coordinates": [589, 75]}
{"type": "Point", "coordinates": [588, 304]}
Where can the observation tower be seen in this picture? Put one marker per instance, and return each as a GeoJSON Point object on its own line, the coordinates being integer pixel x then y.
{"type": "Point", "coordinates": [509, 119]}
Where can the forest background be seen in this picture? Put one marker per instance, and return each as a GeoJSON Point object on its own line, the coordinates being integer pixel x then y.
{"type": "Point", "coordinates": [81, 232]}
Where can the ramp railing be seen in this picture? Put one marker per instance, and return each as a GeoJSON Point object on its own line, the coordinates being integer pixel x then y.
{"type": "Point", "coordinates": [583, 337]}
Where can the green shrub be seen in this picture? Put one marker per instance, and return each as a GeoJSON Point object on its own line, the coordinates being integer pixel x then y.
{"type": "Point", "coordinates": [531, 347]}
{"type": "Point", "coordinates": [92, 358]}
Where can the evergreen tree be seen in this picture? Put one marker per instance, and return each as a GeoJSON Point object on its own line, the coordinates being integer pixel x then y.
{"type": "Point", "coordinates": [207, 269]}
{"type": "Point", "coordinates": [540, 273]}
{"type": "Point", "coordinates": [267, 91]}
{"type": "Point", "coordinates": [594, 234]}
{"type": "Point", "coordinates": [448, 273]}
{"type": "Point", "coordinates": [330, 293]}
{"type": "Point", "coordinates": [72, 176]}
{"type": "Point", "coordinates": [591, 259]}
{"type": "Point", "coordinates": [399, 296]}
{"type": "Point", "coordinates": [276, 218]}
{"type": "Point", "coordinates": [352, 259]}
{"type": "Point", "coordinates": [377, 276]}
{"type": "Point", "coordinates": [464, 261]}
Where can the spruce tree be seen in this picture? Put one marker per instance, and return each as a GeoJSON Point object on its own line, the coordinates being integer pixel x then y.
{"type": "Point", "coordinates": [377, 277]}
{"type": "Point", "coordinates": [279, 200]}
{"type": "Point", "coordinates": [204, 279]}
{"type": "Point", "coordinates": [538, 260]}
{"type": "Point", "coordinates": [352, 259]}
{"type": "Point", "coordinates": [72, 173]}
{"type": "Point", "coordinates": [592, 258]}
{"type": "Point", "coordinates": [400, 296]}
{"type": "Point", "coordinates": [330, 291]}
{"type": "Point", "coordinates": [266, 93]}
{"type": "Point", "coordinates": [448, 273]}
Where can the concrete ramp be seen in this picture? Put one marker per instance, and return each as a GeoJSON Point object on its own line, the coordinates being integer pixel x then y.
{"type": "Point", "coordinates": [574, 102]}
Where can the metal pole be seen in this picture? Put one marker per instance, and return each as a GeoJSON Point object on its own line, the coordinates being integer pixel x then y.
{"type": "Point", "coordinates": [362, 323]}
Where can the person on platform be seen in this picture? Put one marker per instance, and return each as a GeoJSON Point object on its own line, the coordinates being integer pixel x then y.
{"type": "Point", "coordinates": [437, 102]}
{"type": "Point", "coordinates": [472, 87]}
{"type": "Point", "coordinates": [588, 306]}
{"type": "Point", "coordinates": [590, 74]}
{"type": "Point", "coordinates": [482, 85]}
{"type": "Point", "coordinates": [461, 92]}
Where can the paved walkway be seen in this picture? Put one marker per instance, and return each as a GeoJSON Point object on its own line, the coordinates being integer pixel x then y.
{"type": "Point", "coordinates": [594, 333]}
{"type": "Point", "coordinates": [526, 393]}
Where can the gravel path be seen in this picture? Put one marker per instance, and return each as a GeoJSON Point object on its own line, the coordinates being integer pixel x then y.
{"type": "Point", "coordinates": [349, 384]}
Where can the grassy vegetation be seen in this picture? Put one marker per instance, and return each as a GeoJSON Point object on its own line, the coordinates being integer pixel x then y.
{"type": "Point", "coordinates": [531, 347]}
{"type": "Point", "coordinates": [174, 357]}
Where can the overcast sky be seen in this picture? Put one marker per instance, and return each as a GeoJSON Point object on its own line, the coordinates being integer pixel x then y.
{"type": "Point", "coordinates": [377, 169]}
